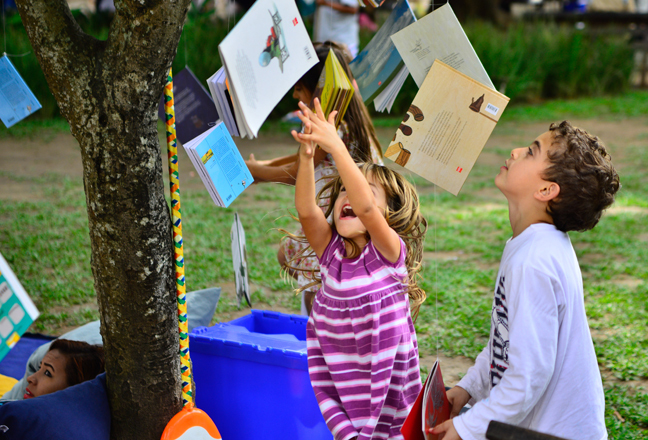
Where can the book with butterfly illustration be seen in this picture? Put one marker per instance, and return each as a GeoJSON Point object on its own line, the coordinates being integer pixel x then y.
{"type": "Point", "coordinates": [430, 409]}
{"type": "Point", "coordinates": [446, 127]}
{"type": "Point", "coordinates": [334, 89]}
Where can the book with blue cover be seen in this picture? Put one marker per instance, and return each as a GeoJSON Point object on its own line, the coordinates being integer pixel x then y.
{"type": "Point", "coordinates": [219, 164]}
{"type": "Point", "coordinates": [379, 64]}
{"type": "Point", "coordinates": [16, 99]}
{"type": "Point", "coordinates": [17, 311]}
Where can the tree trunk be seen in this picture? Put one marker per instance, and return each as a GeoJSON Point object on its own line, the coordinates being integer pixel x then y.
{"type": "Point", "coordinates": [109, 92]}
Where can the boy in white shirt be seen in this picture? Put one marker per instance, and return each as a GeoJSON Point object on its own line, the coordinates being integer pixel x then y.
{"type": "Point", "coordinates": [539, 369]}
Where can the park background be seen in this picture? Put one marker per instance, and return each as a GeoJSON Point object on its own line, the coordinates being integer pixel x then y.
{"type": "Point", "coordinates": [550, 70]}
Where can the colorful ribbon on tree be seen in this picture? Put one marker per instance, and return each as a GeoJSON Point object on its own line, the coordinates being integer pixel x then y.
{"type": "Point", "coordinates": [176, 214]}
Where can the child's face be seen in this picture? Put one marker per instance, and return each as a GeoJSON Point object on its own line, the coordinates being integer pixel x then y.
{"type": "Point", "coordinates": [347, 224]}
{"type": "Point", "coordinates": [521, 175]}
{"type": "Point", "coordinates": [302, 94]}
{"type": "Point", "coordinates": [50, 377]}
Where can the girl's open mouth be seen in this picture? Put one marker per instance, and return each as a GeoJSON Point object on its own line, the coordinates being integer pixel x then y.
{"type": "Point", "coordinates": [28, 394]}
{"type": "Point", "coordinates": [347, 212]}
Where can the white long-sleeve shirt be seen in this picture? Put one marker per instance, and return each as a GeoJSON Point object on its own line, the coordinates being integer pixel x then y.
{"type": "Point", "coordinates": [539, 369]}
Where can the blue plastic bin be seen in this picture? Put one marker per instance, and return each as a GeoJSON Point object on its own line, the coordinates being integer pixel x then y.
{"type": "Point", "coordinates": [251, 377]}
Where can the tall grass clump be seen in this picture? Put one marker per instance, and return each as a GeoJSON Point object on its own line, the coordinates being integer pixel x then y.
{"type": "Point", "coordinates": [533, 61]}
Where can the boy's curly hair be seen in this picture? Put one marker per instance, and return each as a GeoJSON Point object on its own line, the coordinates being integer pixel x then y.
{"type": "Point", "coordinates": [588, 181]}
{"type": "Point", "coordinates": [403, 215]}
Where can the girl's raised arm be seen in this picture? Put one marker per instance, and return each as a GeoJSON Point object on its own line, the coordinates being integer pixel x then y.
{"type": "Point", "coordinates": [316, 228]}
{"type": "Point", "coordinates": [360, 193]}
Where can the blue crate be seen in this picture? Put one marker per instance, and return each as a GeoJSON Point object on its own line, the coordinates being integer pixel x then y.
{"type": "Point", "coordinates": [251, 377]}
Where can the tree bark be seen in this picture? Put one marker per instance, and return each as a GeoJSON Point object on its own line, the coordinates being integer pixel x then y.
{"type": "Point", "coordinates": [109, 92]}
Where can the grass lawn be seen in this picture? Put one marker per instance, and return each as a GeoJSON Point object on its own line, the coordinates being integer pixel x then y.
{"type": "Point", "coordinates": [44, 237]}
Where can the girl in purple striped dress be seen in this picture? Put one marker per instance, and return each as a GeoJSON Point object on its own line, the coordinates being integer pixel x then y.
{"type": "Point", "coordinates": [362, 350]}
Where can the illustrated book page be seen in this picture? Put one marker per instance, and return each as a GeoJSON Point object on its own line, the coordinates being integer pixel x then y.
{"type": "Point", "coordinates": [439, 35]}
{"type": "Point", "coordinates": [379, 62]}
{"type": "Point", "coordinates": [446, 127]}
{"type": "Point", "coordinates": [430, 409]}
{"type": "Point", "coordinates": [16, 99]}
{"type": "Point", "coordinates": [17, 311]}
{"type": "Point", "coordinates": [265, 54]}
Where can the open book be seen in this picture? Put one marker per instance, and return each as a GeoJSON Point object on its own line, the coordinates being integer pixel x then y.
{"type": "Point", "coordinates": [194, 108]}
{"type": "Point", "coordinates": [446, 127]}
{"type": "Point", "coordinates": [334, 89]}
{"type": "Point", "coordinates": [219, 164]}
{"type": "Point", "coordinates": [439, 36]}
{"type": "Point", "coordinates": [378, 69]}
{"type": "Point", "coordinates": [17, 311]}
{"type": "Point", "coordinates": [430, 408]}
{"type": "Point", "coordinates": [265, 54]}
{"type": "Point", "coordinates": [217, 84]}
{"type": "Point", "coordinates": [16, 99]}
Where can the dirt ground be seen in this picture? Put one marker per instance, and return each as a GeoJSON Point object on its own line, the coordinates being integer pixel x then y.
{"type": "Point", "coordinates": [59, 154]}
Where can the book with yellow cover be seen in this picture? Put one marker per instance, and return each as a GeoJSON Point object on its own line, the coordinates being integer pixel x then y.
{"type": "Point", "coordinates": [334, 89]}
{"type": "Point", "coordinates": [446, 127]}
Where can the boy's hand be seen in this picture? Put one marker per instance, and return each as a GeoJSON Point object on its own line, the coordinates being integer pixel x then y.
{"type": "Point", "coordinates": [458, 398]}
{"type": "Point", "coordinates": [318, 130]}
{"type": "Point", "coordinates": [446, 431]}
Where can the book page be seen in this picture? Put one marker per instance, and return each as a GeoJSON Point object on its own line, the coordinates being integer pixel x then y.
{"type": "Point", "coordinates": [378, 63]}
{"type": "Point", "coordinates": [439, 35]}
{"type": "Point", "coordinates": [446, 127]}
{"type": "Point", "coordinates": [16, 99]}
{"type": "Point", "coordinates": [265, 54]}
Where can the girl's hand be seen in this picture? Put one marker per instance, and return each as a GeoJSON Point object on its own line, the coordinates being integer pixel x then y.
{"type": "Point", "coordinates": [446, 431]}
{"type": "Point", "coordinates": [320, 131]}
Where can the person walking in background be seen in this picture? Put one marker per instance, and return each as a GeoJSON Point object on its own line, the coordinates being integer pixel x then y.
{"type": "Point", "coordinates": [337, 20]}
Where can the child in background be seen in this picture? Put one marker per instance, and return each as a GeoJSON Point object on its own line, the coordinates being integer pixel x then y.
{"type": "Point", "coordinates": [539, 369]}
{"type": "Point", "coordinates": [362, 349]}
{"type": "Point", "coordinates": [358, 134]}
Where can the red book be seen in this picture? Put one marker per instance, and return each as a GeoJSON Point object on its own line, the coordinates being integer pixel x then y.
{"type": "Point", "coordinates": [430, 409]}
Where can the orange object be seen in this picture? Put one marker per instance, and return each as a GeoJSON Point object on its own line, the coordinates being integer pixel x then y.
{"type": "Point", "coordinates": [191, 424]}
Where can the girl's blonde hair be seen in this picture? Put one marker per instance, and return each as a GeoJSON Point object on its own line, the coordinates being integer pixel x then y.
{"type": "Point", "coordinates": [403, 215]}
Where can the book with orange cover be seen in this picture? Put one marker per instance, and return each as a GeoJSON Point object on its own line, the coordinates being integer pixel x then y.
{"type": "Point", "coordinates": [430, 408]}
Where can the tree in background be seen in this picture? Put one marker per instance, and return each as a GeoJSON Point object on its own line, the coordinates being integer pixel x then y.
{"type": "Point", "coordinates": [109, 92]}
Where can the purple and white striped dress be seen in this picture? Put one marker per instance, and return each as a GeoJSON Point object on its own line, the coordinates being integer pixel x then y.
{"type": "Point", "coordinates": [362, 350]}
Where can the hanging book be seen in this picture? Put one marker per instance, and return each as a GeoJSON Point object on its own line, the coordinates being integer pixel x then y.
{"type": "Point", "coordinates": [194, 107]}
{"type": "Point", "coordinates": [16, 99]}
{"type": "Point", "coordinates": [430, 409]}
{"type": "Point", "coordinates": [446, 127]}
{"type": "Point", "coordinates": [379, 66]}
{"type": "Point", "coordinates": [334, 89]}
{"type": "Point", "coordinates": [439, 36]}
{"type": "Point", "coordinates": [219, 164]}
{"type": "Point", "coordinates": [217, 84]}
{"type": "Point", "coordinates": [17, 311]}
{"type": "Point", "coordinates": [265, 54]}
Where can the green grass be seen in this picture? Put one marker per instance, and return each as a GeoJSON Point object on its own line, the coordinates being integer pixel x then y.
{"type": "Point", "coordinates": [45, 239]}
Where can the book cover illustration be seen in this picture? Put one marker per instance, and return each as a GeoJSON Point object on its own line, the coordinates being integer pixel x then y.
{"type": "Point", "coordinates": [276, 42]}
{"type": "Point", "coordinates": [379, 62]}
{"type": "Point", "coordinates": [430, 408]}
{"type": "Point", "coordinates": [16, 99]}
{"type": "Point", "coordinates": [194, 107]}
{"type": "Point", "coordinates": [17, 311]}
{"type": "Point", "coordinates": [439, 36]}
{"type": "Point", "coordinates": [270, 30]}
{"type": "Point", "coordinates": [446, 127]}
